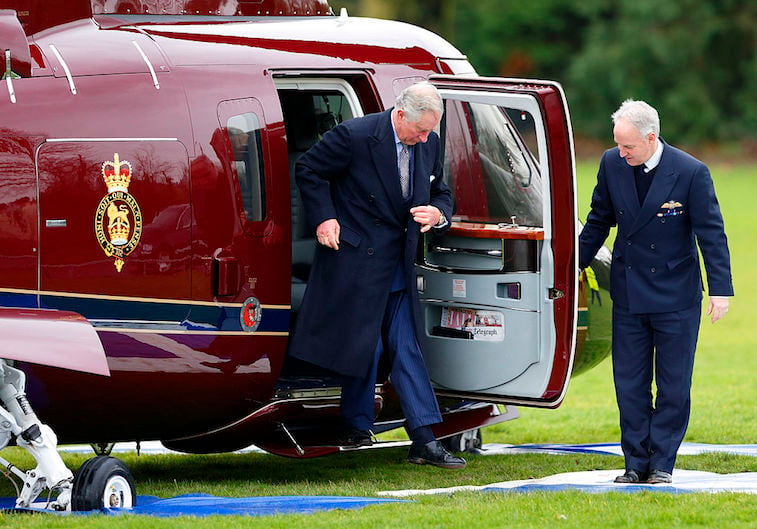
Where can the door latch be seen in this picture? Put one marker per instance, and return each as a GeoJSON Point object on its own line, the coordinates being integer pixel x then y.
{"type": "Point", "coordinates": [556, 293]}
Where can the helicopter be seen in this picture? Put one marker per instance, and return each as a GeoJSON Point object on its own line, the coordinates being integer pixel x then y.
{"type": "Point", "coordinates": [153, 250]}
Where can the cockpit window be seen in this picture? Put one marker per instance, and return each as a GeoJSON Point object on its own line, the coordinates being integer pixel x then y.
{"type": "Point", "coordinates": [246, 145]}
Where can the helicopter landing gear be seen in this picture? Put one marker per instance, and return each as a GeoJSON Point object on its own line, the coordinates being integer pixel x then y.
{"type": "Point", "coordinates": [101, 482]}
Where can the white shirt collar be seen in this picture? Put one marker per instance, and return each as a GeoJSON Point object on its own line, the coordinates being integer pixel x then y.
{"type": "Point", "coordinates": [654, 160]}
{"type": "Point", "coordinates": [396, 138]}
{"type": "Point", "coordinates": [397, 142]}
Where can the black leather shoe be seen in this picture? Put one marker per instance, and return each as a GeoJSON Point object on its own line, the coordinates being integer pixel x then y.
{"type": "Point", "coordinates": [630, 476]}
{"type": "Point", "coordinates": [355, 438]}
{"type": "Point", "coordinates": [660, 476]}
{"type": "Point", "coordinates": [433, 453]}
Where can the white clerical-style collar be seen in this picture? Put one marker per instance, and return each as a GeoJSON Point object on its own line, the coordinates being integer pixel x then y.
{"type": "Point", "coordinates": [654, 160]}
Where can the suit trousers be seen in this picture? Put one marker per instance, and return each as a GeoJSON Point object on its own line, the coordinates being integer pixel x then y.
{"type": "Point", "coordinates": [408, 373]}
{"type": "Point", "coordinates": [662, 344]}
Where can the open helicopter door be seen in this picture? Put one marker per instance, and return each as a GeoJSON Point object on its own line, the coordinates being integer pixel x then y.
{"type": "Point", "coordinates": [499, 289]}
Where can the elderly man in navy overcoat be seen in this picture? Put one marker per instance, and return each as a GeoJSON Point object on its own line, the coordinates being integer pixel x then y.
{"type": "Point", "coordinates": [370, 187]}
{"type": "Point", "coordinates": [664, 205]}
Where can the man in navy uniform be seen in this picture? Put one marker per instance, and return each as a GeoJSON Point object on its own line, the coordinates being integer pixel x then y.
{"type": "Point", "coordinates": [664, 205]}
{"type": "Point", "coordinates": [369, 188]}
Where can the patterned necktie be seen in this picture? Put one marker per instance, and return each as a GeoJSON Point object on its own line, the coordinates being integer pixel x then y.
{"type": "Point", "coordinates": [405, 171]}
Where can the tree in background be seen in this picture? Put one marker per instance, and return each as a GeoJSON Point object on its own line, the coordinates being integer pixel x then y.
{"type": "Point", "coordinates": [695, 60]}
{"type": "Point", "coordinates": [692, 59]}
{"type": "Point", "coordinates": [500, 38]}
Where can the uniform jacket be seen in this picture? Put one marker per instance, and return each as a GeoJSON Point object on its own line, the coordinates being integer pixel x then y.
{"type": "Point", "coordinates": [655, 266]}
{"type": "Point", "coordinates": [352, 176]}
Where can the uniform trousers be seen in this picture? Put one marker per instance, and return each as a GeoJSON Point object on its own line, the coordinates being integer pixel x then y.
{"type": "Point", "coordinates": [408, 373]}
{"type": "Point", "coordinates": [663, 345]}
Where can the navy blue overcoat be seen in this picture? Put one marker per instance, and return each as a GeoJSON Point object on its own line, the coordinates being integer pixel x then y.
{"type": "Point", "coordinates": [351, 175]}
{"type": "Point", "coordinates": [655, 266]}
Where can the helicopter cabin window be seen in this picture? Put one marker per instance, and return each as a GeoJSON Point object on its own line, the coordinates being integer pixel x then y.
{"type": "Point", "coordinates": [246, 145]}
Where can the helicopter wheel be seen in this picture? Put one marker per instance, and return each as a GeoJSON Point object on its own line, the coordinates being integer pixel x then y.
{"type": "Point", "coordinates": [103, 482]}
{"type": "Point", "coordinates": [464, 442]}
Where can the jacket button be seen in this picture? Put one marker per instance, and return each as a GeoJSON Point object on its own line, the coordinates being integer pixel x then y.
{"type": "Point", "coordinates": [620, 212]}
{"type": "Point", "coordinates": [662, 221]}
{"type": "Point", "coordinates": [653, 270]}
{"type": "Point", "coordinates": [370, 251]}
{"type": "Point", "coordinates": [629, 267]}
{"type": "Point", "coordinates": [628, 243]}
{"type": "Point", "coordinates": [652, 246]}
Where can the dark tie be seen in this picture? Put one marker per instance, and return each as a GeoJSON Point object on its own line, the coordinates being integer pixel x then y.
{"type": "Point", "coordinates": [405, 171]}
{"type": "Point", "coordinates": [643, 181]}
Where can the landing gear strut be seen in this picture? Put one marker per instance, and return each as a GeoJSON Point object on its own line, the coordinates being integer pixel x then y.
{"type": "Point", "coordinates": [101, 482]}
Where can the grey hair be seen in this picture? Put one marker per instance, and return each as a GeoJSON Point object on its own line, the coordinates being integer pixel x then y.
{"type": "Point", "coordinates": [641, 115]}
{"type": "Point", "coordinates": [419, 98]}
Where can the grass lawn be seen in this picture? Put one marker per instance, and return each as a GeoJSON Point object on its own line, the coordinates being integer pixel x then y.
{"type": "Point", "coordinates": [724, 394]}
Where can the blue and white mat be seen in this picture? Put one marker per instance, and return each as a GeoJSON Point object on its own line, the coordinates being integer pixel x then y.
{"type": "Point", "coordinates": [686, 449]}
{"type": "Point", "coordinates": [207, 505]}
{"type": "Point", "coordinates": [590, 481]}
{"type": "Point", "coordinates": [602, 481]}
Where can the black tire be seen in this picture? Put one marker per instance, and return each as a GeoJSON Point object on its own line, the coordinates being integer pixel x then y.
{"type": "Point", "coordinates": [94, 476]}
{"type": "Point", "coordinates": [464, 442]}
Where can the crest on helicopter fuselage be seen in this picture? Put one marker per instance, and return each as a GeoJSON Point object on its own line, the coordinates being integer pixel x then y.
{"type": "Point", "coordinates": [118, 219]}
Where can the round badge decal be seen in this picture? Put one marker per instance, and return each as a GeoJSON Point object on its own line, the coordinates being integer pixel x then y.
{"type": "Point", "coordinates": [251, 314]}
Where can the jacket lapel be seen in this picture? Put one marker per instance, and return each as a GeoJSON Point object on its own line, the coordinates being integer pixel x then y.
{"type": "Point", "coordinates": [383, 152]}
{"type": "Point", "coordinates": [627, 185]}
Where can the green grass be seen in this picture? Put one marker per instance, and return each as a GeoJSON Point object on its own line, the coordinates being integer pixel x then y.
{"type": "Point", "coordinates": [724, 394]}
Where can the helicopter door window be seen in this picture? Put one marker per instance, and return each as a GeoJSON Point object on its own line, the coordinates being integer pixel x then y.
{"type": "Point", "coordinates": [246, 146]}
{"type": "Point", "coordinates": [502, 179]}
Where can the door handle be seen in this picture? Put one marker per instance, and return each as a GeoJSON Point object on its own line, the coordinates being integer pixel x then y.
{"type": "Point", "coordinates": [226, 271]}
{"type": "Point", "coordinates": [555, 293]}
{"type": "Point", "coordinates": [497, 254]}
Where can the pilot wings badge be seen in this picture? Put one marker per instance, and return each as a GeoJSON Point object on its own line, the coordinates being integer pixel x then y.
{"type": "Point", "coordinates": [118, 219]}
{"type": "Point", "coordinates": [672, 208]}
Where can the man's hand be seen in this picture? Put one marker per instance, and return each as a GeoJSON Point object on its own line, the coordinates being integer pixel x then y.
{"type": "Point", "coordinates": [426, 216]}
{"type": "Point", "coordinates": [718, 307]}
{"type": "Point", "coordinates": [327, 233]}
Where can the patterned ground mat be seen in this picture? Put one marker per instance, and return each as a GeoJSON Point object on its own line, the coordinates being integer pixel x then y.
{"type": "Point", "coordinates": [602, 481]}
